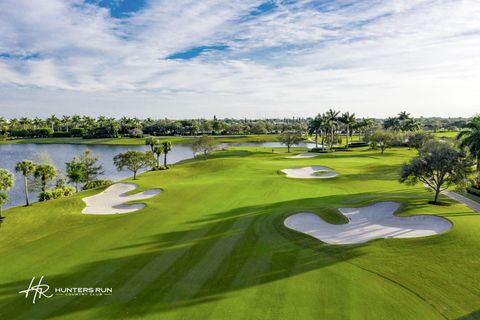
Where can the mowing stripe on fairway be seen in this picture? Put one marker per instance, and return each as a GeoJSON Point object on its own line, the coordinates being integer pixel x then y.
{"type": "Point", "coordinates": [189, 285]}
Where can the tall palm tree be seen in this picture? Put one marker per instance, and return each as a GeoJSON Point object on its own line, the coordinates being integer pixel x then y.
{"type": "Point", "coordinates": [27, 168]}
{"type": "Point", "coordinates": [314, 127]}
{"type": "Point", "coordinates": [348, 120]}
{"type": "Point", "coordinates": [152, 142]}
{"type": "Point", "coordinates": [332, 122]}
{"type": "Point", "coordinates": [470, 138]}
{"type": "Point", "coordinates": [167, 146]}
{"type": "Point", "coordinates": [52, 121]}
{"type": "Point", "coordinates": [76, 120]}
{"type": "Point", "coordinates": [66, 122]}
{"type": "Point", "coordinates": [37, 123]}
{"type": "Point", "coordinates": [25, 122]}
{"type": "Point", "coordinates": [45, 172]}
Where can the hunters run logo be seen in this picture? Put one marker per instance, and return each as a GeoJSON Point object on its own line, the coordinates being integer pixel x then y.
{"type": "Point", "coordinates": [42, 290]}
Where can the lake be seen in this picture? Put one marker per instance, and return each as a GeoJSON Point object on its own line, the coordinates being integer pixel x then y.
{"type": "Point", "coordinates": [59, 154]}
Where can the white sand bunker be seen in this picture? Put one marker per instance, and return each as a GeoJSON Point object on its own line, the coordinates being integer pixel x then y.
{"type": "Point", "coordinates": [112, 200]}
{"type": "Point", "coordinates": [315, 172]}
{"type": "Point", "coordinates": [304, 155]}
{"type": "Point", "coordinates": [367, 223]}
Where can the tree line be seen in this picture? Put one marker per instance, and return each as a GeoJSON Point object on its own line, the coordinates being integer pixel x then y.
{"type": "Point", "coordinates": [108, 127]}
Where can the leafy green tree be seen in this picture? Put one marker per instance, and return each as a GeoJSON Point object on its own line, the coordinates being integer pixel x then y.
{"type": "Point", "coordinates": [92, 169]}
{"type": "Point", "coordinates": [438, 166]}
{"type": "Point", "coordinates": [381, 139]}
{"type": "Point", "coordinates": [290, 139]}
{"type": "Point", "coordinates": [167, 147]}
{"type": "Point", "coordinates": [6, 182]}
{"type": "Point", "coordinates": [27, 168]}
{"type": "Point", "coordinates": [204, 144]}
{"type": "Point", "coordinates": [76, 172]}
{"type": "Point", "coordinates": [470, 138]}
{"type": "Point", "coordinates": [133, 161]}
{"type": "Point", "coordinates": [418, 139]}
{"type": "Point", "coordinates": [45, 173]}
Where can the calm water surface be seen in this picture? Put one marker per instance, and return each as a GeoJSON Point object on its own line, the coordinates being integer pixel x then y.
{"type": "Point", "coordinates": [59, 154]}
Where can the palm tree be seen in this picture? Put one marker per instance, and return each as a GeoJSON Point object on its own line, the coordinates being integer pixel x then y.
{"type": "Point", "coordinates": [158, 150]}
{"type": "Point", "coordinates": [53, 121]}
{"type": "Point", "coordinates": [470, 138]}
{"type": "Point", "coordinates": [76, 120]}
{"type": "Point", "coordinates": [314, 127]}
{"type": "Point", "coordinates": [152, 142]}
{"type": "Point", "coordinates": [66, 122]}
{"type": "Point", "coordinates": [392, 123]}
{"type": "Point", "coordinates": [37, 123]}
{"type": "Point", "coordinates": [167, 146]}
{"type": "Point", "coordinates": [332, 123]}
{"type": "Point", "coordinates": [45, 172]}
{"type": "Point", "coordinates": [25, 122]}
{"type": "Point", "coordinates": [27, 168]}
{"type": "Point", "coordinates": [348, 120]}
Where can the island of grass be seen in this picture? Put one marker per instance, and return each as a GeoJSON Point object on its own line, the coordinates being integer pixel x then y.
{"type": "Point", "coordinates": [214, 245]}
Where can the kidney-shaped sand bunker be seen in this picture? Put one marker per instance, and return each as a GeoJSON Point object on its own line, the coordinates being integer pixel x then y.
{"type": "Point", "coordinates": [112, 200]}
{"type": "Point", "coordinates": [367, 223]}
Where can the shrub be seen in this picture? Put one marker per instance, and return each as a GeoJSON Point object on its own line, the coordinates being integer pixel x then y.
{"type": "Point", "coordinates": [31, 133]}
{"type": "Point", "coordinates": [77, 132]}
{"type": "Point", "coordinates": [97, 184]}
{"type": "Point", "coordinates": [358, 144]}
{"type": "Point", "coordinates": [473, 190]}
{"type": "Point", "coordinates": [56, 193]}
{"type": "Point", "coordinates": [161, 168]}
{"type": "Point", "coordinates": [320, 150]}
{"type": "Point", "coordinates": [61, 134]}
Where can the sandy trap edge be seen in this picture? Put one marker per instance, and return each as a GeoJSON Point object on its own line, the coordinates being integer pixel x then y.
{"type": "Point", "coordinates": [112, 200]}
{"type": "Point", "coordinates": [367, 223]}
{"type": "Point", "coordinates": [310, 173]}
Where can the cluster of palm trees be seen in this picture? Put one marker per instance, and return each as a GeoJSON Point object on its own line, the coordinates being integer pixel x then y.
{"type": "Point", "coordinates": [402, 122]}
{"type": "Point", "coordinates": [328, 125]}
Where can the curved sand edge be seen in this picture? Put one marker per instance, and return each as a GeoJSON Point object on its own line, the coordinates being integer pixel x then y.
{"type": "Point", "coordinates": [310, 173]}
{"type": "Point", "coordinates": [304, 155]}
{"type": "Point", "coordinates": [368, 223]}
{"type": "Point", "coordinates": [112, 200]}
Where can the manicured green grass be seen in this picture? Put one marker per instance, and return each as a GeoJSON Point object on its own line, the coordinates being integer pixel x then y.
{"type": "Point", "coordinates": [213, 245]}
{"type": "Point", "coordinates": [446, 134]}
{"type": "Point", "coordinates": [141, 141]}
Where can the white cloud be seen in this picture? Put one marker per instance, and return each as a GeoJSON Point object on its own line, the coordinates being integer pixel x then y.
{"type": "Point", "coordinates": [372, 57]}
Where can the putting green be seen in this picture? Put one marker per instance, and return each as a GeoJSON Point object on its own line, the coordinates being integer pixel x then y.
{"type": "Point", "coordinates": [213, 245]}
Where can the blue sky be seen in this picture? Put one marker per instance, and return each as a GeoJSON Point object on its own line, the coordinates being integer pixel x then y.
{"type": "Point", "coordinates": [248, 58]}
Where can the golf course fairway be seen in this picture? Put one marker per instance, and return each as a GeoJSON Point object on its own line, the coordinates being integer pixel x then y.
{"type": "Point", "coordinates": [213, 245]}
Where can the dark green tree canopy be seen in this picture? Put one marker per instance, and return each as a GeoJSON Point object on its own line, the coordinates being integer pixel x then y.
{"type": "Point", "coordinates": [438, 166]}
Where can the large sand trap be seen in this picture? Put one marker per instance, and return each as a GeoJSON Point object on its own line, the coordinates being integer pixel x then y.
{"type": "Point", "coordinates": [367, 223]}
{"type": "Point", "coordinates": [112, 200]}
{"type": "Point", "coordinates": [304, 155]}
{"type": "Point", "coordinates": [310, 173]}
